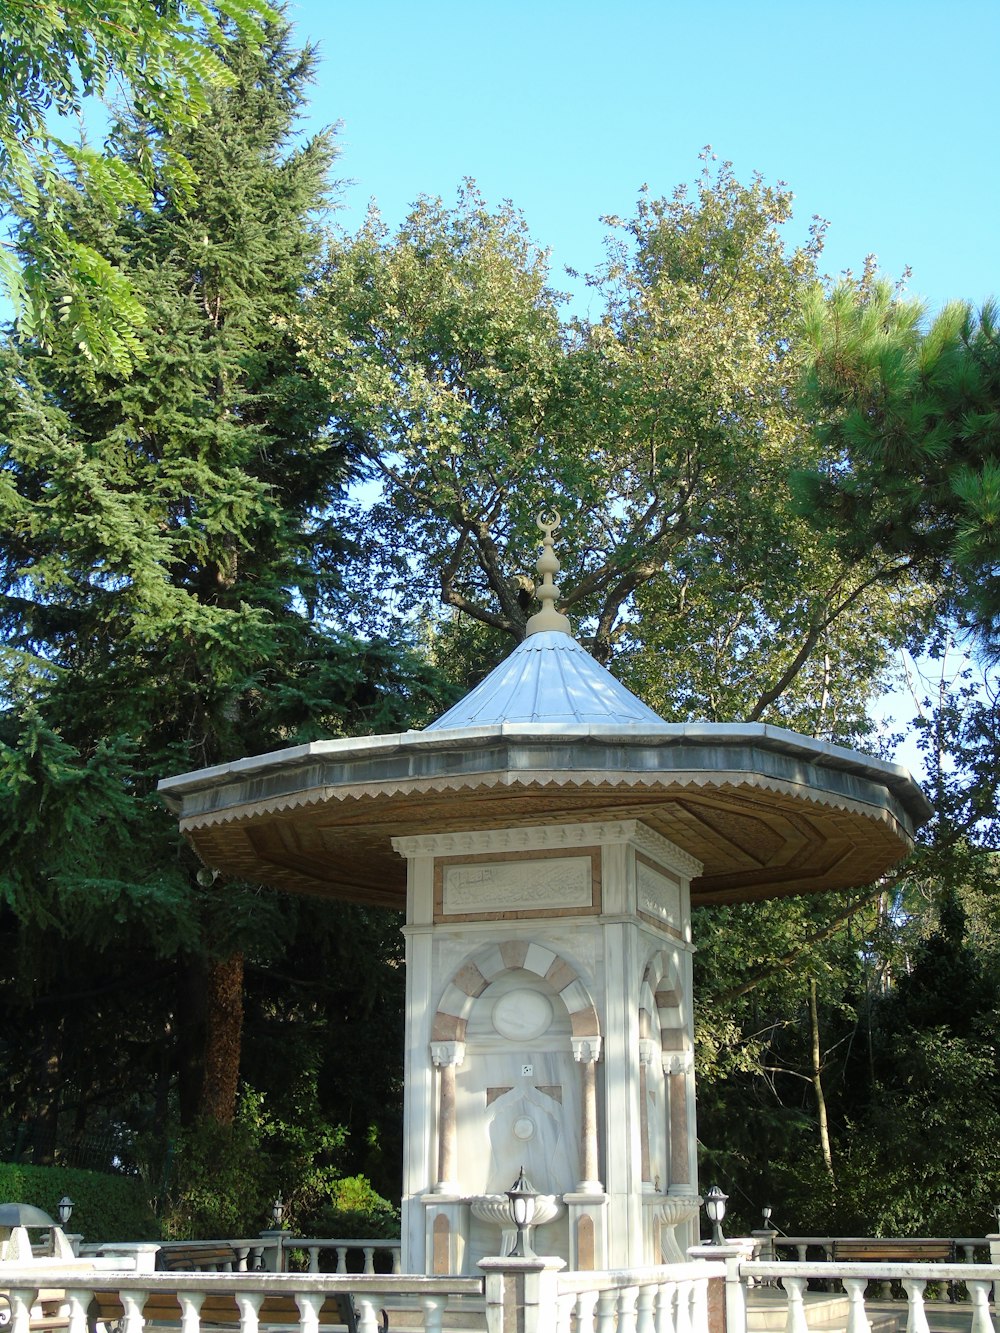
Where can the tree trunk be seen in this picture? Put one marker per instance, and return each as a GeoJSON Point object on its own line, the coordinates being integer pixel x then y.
{"type": "Point", "coordinates": [223, 1038]}
{"type": "Point", "coordinates": [48, 1081]}
{"type": "Point", "coordinates": [817, 1078]}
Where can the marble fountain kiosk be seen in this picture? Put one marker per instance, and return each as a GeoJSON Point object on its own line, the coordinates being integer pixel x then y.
{"type": "Point", "coordinates": [547, 837]}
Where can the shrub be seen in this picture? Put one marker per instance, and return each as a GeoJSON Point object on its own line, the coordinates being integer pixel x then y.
{"type": "Point", "coordinates": [105, 1207]}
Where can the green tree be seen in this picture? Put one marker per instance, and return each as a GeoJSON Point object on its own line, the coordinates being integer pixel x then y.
{"type": "Point", "coordinates": [909, 415]}
{"type": "Point", "coordinates": [167, 542]}
{"type": "Point", "coordinates": [56, 56]}
{"type": "Point", "coordinates": [663, 431]}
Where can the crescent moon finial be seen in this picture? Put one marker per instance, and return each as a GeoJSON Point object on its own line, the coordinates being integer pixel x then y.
{"type": "Point", "coordinates": [548, 618]}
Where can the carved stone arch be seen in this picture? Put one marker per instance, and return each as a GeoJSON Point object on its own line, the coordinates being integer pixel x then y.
{"type": "Point", "coordinates": [661, 989]}
{"type": "Point", "coordinates": [483, 967]}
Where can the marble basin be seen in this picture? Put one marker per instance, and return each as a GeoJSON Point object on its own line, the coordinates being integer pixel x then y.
{"type": "Point", "coordinates": [670, 1211]}
{"type": "Point", "coordinates": [495, 1209]}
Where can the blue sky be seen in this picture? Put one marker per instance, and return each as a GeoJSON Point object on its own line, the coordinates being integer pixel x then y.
{"type": "Point", "coordinates": [881, 116]}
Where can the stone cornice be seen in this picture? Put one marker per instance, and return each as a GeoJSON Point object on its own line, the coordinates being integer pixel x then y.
{"type": "Point", "coordinates": [380, 765]}
{"type": "Point", "coordinates": [544, 837]}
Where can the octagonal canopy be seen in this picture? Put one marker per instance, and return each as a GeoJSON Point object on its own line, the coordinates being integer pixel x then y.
{"type": "Point", "coordinates": [550, 737]}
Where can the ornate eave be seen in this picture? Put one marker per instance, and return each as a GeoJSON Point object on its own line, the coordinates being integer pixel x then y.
{"type": "Point", "coordinates": [766, 811]}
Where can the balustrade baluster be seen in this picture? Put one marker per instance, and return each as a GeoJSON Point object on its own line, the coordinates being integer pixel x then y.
{"type": "Point", "coordinates": [242, 1256]}
{"type": "Point", "coordinates": [586, 1312]}
{"type": "Point", "coordinates": [313, 1258]}
{"type": "Point", "coordinates": [607, 1303]}
{"type": "Point", "coordinates": [627, 1297]}
{"type": "Point", "coordinates": [916, 1315]}
{"type": "Point", "coordinates": [699, 1306]}
{"type": "Point", "coordinates": [368, 1314]}
{"type": "Point", "coordinates": [683, 1309]}
{"type": "Point", "coordinates": [565, 1305]}
{"type": "Point", "coordinates": [341, 1258]}
{"type": "Point", "coordinates": [133, 1303]}
{"type": "Point", "coordinates": [969, 1254]}
{"type": "Point", "coordinates": [191, 1303]}
{"type": "Point", "coordinates": [369, 1252]}
{"type": "Point", "coordinates": [979, 1295]}
{"type": "Point", "coordinates": [397, 1261]}
{"type": "Point", "coordinates": [21, 1300]}
{"type": "Point", "coordinates": [78, 1302]}
{"type": "Point", "coordinates": [857, 1317]}
{"type": "Point", "coordinates": [645, 1321]}
{"type": "Point", "coordinates": [666, 1296]}
{"type": "Point", "coordinates": [310, 1303]}
{"type": "Point", "coordinates": [795, 1318]}
{"type": "Point", "coordinates": [434, 1313]}
{"type": "Point", "coordinates": [248, 1303]}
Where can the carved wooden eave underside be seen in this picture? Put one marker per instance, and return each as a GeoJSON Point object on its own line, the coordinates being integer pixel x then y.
{"type": "Point", "coordinates": [767, 812]}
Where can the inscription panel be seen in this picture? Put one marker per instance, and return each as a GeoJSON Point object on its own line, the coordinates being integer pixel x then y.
{"type": "Point", "coordinates": [659, 896]}
{"type": "Point", "coordinates": [555, 884]}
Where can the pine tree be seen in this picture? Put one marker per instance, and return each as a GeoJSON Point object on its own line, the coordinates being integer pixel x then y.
{"type": "Point", "coordinates": [170, 559]}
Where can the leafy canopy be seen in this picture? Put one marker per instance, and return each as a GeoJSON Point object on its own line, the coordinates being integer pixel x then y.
{"type": "Point", "coordinates": [56, 58]}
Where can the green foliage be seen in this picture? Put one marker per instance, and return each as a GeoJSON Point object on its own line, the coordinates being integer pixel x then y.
{"type": "Point", "coordinates": [55, 58]}
{"type": "Point", "coordinates": [170, 557]}
{"type": "Point", "coordinates": [663, 430]}
{"type": "Point", "coordinates": [909, 1069]}
{"type": "Point", "coordinates": [105, 1207]}
{"type": "Point", "coordinates": [224, 1179]}
{"type": "Point", "coordinates": [909, 413]}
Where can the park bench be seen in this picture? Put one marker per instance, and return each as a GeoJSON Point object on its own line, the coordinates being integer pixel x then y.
{"type": "Point", "coordinates": [900, 1250]}
{"type": "Point", "coordinates": [197, 1258]}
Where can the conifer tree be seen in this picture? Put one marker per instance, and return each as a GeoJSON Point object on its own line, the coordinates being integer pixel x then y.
{"type": "Point", "coordinates": [168, 542]}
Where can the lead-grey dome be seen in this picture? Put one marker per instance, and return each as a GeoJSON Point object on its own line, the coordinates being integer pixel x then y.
{"type": "Point", "coordinates": [550, 678]}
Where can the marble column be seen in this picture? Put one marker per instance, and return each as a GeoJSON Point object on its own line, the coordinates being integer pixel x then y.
{"type": "Point", "coordinates": [587, 1052]}
{"type": "Point", "coordinates": [447, 1056]}
{"type": "Point", "coordinates": [648, 1050]}
{"type": "Point", "coordinates": [677, 1066]}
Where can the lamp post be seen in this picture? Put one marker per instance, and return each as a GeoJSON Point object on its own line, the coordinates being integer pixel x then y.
{"type": "Point", "coordinates": [715, 1207]}
{"type": "Point", "coordinates": [522, 1211]}
{"type": "Point", "coordinates": [765, 1213]}
{"type": "Point", "coordinates": [65, 1209]}
{"type": "Point", "coordinates": [277, 1212]}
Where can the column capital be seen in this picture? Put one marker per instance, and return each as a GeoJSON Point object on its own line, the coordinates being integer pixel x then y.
{"type": "Point", "coordinates": [447, 1052]}
{"type": "Point", "coordinates": [677, 1062]}
{"type": "Point", "coordinates": [586, 1049]}
{"type": "Point", "coordinates": [648, 1049]}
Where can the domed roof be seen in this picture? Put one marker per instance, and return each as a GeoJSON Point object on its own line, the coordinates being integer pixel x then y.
{"type": "Point", "coordinates": [548, 677]}
{"type": "Point", "coordinates": [551, 737]}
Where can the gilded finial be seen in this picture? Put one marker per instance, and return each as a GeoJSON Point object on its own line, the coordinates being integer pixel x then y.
{"type": "Point", "coordinates": [547, 592]}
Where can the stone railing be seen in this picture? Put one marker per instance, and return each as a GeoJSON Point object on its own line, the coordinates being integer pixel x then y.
{"type": "Point", "coordinates": [536, 1296]}
{"type": "Point", "coordinates": [775, 1244]}
{"type": "Point", "coordinates": [533, 1296]}
{"type": "Point", "coordinates": [98, 1300]}
{"type": "Point", "coordinates": [913, 1277]}
{"type": "Point", "coordinates": [368, 1250]}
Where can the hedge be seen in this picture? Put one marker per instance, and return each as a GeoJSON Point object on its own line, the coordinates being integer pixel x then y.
{"type": "Point", "coordinates": [105, 1207]}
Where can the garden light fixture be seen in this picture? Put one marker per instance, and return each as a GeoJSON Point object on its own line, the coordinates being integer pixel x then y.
{"type": "Point", "coordinates": [65, 1209]}
{"type": "Point", "coordinates": [522, 1212]}
{"type": "Point", "coordinates": [715, 1207]}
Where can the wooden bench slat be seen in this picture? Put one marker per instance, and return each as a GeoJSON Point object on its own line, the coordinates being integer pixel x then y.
{"type": "Point", "coordinates": [901, 1251]}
